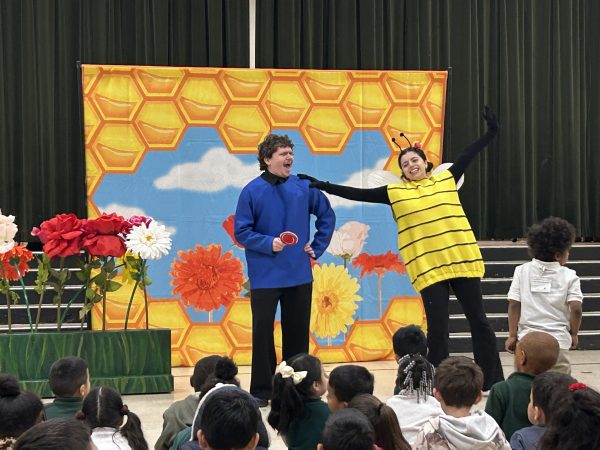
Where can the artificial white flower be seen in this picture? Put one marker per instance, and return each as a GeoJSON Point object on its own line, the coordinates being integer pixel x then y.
{"type": "Point", "coordinates": [8, 230]}
{"type": "Point", "coordinates": [348, 240]}
{"type": "Point", "coordinates": [149, 241]}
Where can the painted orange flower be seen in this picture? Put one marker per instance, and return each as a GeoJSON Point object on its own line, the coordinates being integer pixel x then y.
{"type": "Point", "coordinates": [20, 253]}
{"type": "Point", "coordinates": [205, 278]}
{"type": "Point", "coordinates": [229, 225]}
{"type": "Point", "coordinates": [379, 264]}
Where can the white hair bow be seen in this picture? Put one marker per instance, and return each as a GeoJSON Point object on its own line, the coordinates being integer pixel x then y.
{"type": "Point", "coordinates": [288, 371]}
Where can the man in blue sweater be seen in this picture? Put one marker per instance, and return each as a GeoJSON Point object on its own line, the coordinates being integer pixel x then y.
{"type": "Point", "coordinates": [273, 203]}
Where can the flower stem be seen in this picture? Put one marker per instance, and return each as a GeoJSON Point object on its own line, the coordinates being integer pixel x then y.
{"type": "Point", "coordinates": [143, 277]}
{"type": "Point", "coordinates": [60, 291]}
{"type": "Point", "coordinates": [64, 314]}
{"type": "Point", "coordinates": [379, 292]}
{"type": "Point", "coordinates": [39, 308]}
{"type": "Point", "coordinates": [16, 266]}
{"type": "Point", "coordinates": [6, 289]}
{"type": "Point", "coordinates": [130, 302]}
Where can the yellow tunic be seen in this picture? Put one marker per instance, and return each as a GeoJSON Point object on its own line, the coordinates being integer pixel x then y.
{"type": "Point", "coordinates": [435, 239]}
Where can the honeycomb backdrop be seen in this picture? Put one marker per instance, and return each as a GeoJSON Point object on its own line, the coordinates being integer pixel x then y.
{"type": "Point", "coordinates": [178, 144]}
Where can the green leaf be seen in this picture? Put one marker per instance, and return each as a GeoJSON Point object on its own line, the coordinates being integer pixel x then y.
{"type": "Point", "coordinates": [15, 297]}
{"type": "Point", "coordinates": [147, 281]}
{"type": "Point", "coordinates": [89, 293]}
{"type": "Point", "coordinates": [56, 299]}
{"type": "Point", "coordinates": [112, 286]}
{"type": "Point", "coordinates": [81, 275]}
{"type": "Point", "coordinates": [109, 266]}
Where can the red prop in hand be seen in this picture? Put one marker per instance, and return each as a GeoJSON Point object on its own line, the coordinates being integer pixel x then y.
{"type": "Point", "coordinates": [288, 238]}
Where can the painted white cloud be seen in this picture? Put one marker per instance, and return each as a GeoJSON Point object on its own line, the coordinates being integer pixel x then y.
{"type": "Point", "coordinates": [217, 170]}
{"type": "Point", "coordinates": [128, 211]}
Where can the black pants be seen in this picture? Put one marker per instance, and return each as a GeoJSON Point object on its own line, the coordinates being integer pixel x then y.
{"type": "Point", "coordinates": [468, 293]}
{"type": "Point", "coordinates": [295, 326]}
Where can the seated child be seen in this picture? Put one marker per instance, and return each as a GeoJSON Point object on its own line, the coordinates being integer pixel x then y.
{"type": "Point", "coordinates": [388, 435]}
{"type": "Point", "coordinates": [545, 389]}
{"type": "Point", "coordinates": [19, 410]}
{"type": "Point", "coordinates": [69, 380]}
{"type": "Point", "coordinates": [57, 434]}
{"type": "Point", "coordinates": [408, 340]}
{"type": "Point", "coordinates": [297, 412]}
{"type": "Point", "coordinates": [414, 404]}
{"type": "Point", "coordinates": [458, 382]}
{"type": "Point", "coordinates": [544, 294]}
{"type": "Point", "coordinates": [575, 421]}
{"type": "Point", "coordinates": [347, 429]}
{"type": "Point", "coordinates": [345, 382]}
{"type": "Point", "coordinates": [181, 413]}
{"type": "Point", "coordinates": [508, 400]}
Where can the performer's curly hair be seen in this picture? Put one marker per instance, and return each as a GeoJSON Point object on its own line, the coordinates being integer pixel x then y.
{"type": "Point", "coordinates": [270, 145]}
{"type": "Point", "coordinates": [550, 237]}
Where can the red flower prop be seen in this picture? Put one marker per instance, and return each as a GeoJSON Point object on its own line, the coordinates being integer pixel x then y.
{"type": "Point", "coordinates": [577, 386]}
{"type": "Point", "coordinates": [20, 253]}
{"type": "Point", "coordinates": [228, 225]}
{"type": "Point", "coordinates": [205, 278]}
{"type": "Point", "coordinates": [103, 235]}
{"type": "Point", "coordinates": [135, 221]}
{"type": "Point", "coordinates": [60, 235]}
{"type": "Point", "coordinates": [379, 264]}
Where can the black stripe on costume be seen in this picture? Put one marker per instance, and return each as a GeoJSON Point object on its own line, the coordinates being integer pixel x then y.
{"type": "Point", "coordinates": [425, 209]}
{"type": "Point", "coordinates": [446, 265]}
{"type": "Point", "coordinates": [438, 250]}
{"type": "Point", "coordinates": [432, 221]}
{"type": "Point", "coordinates": [422, 196]}
{"type": "Point", "coordinates": [454, 230]}
{"type": "Point", "coordinates": [412, 189]}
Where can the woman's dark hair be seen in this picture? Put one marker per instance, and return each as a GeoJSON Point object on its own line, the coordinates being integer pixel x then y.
{"type": "Point", "coordinates": [287, 399]}
{"type": "Point", "coordinates": [270, 145]}
{"type": "Point", "coordinates": [574, 422]}
{"type": "Point", "coordinates": [388, 435]}
{"type": "Point", "coordinates": [550, 237]}
{"type": "Point", "coordinates": [415, 376]}
{"type": "Point", "coordinates": [55, 434]}
{"type": "Point", "coordinates": [203, 370]}
{"type": "Point", "coordinates": [103, 407]}
{"type": "Point", "coordinates": [421, 155]}
{"type": "Point", "coordinates": [225, 372]}
{"type": "Point", "coordinates": [19, 410]}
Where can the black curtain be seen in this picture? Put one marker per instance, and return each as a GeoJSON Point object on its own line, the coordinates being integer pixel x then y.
{"type": "Point", "coordinates": [534, 61]}
{"type": "Point", "coordinates": [42, 168]}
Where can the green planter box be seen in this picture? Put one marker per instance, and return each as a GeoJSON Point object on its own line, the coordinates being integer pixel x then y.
{"type": "Point", "coordinates": [132, 361]}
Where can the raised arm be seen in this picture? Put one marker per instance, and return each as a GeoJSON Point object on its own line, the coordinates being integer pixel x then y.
{"type": "Point", "coordinates": [471, 150]}
{"type": "Point", "coordinates": [375, 195]}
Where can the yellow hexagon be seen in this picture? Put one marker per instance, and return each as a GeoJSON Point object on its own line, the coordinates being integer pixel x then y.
{"type": "Point", "coordinates": [366, 74]}
{"type": "Point", "coordinates": [433, 103]}
{"type": "Point", "coordinates": [285, 74]}
{"type": "Point", "coordinates": [369, 341]}
{"type": "Point", "coordinates": [158, 81]}
{"type": "Point", "coordinates": [326, 129]}
{"type": "Point", "coordinates": [245, 85]}
{"type": "Point", "coordinates": [178, 359]}
{"type": "Point", "coordinates": [329, 355]}
{"type": "Point", "coordinates": [118, 147]}
{"type": "Point", "coordinates": [409, 120]}
{"type": "Point", "coordinates": [206, 339]}
{"type": "Point", "coordinates": [93, 173]}
{"type": "Point", "coordinates": [237, 322]}
{"type": "Point", "coordinates": [92, 209]}
{"type": "Point", "coordinates": [90, 121]}
{"type": "Point", "coordinates": [326, 86]}
{"type": "Point", "coordinates": [403, 311]}
{"type": "Point", "coordinates": [160, 124]}
{"type": "Point", "coordinates": [116, 97]}
{"type": "Point", "coordinates": [168, 313]}
{"type": "Point", "coordinates": [242, 356]}
{"type": "Point", "coordinates": [406, 87]}
{"type": "Point", "coordinates": [433, 147]}
{"type": "Point", "coordinates": [366, 104]}
{"type": "Point", "coordinates": [243, 127]}
{"type": "Point", "coordinates": [89, 76]}
{"type": "Point", "coordinates": [285, 104]}
{"type": "Point", "coordinates": [201, 101]}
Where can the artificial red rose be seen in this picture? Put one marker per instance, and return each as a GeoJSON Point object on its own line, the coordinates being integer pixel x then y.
{"type": "Point", "coordinates": [135, 221]}
{"type": "Point", "coordinates": [61, 235]}
{"type": "Point", "coordinates": [103, 235]}
{"type": "Point", "coordinates": [229, 224]}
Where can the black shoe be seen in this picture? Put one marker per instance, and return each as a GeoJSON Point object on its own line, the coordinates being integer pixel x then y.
{"type": "Point", "coordinates": [261, 402]}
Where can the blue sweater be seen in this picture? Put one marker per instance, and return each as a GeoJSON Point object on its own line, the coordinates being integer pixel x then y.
{"type": "Point", "coordinates": [264, 211]}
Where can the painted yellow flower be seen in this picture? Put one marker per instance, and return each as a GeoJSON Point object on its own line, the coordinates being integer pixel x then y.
{"type": "Point", "coordinates": [334, 300]}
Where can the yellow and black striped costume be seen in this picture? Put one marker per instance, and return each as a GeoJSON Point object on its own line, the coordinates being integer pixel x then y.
{"type": "Point", "coordinates": [435, 239]}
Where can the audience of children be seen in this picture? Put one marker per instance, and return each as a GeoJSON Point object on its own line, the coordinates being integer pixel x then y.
{"type": "Point", "coordinates": [347, 429]}
{"type": "Point", "coordinates": [19, 410]}
{"type": "Point", "coordinates": [69, 380]}
{"type": "Point", "coordinates": [507, 403]}
{"type": "Point", "coordinates": [345, 382]}
{"type": "Point", "coordinates": [458, 382]}
{"type": "Point", "coordinates": [388, 435]}
{"type": "Point", "coordinates": [545, 389]}
{"type": "Point", "coordinates": [57, 434]}
{"type": "Point", "coordinates": [544, 294]}
{"type": "Point", "coordinates": [297, 411]}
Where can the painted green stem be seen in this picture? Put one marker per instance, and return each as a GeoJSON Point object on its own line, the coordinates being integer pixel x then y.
{"type": "Point", "coordinates": [25, 297]}
{"type": "Point", "coordinates": [143, 277]}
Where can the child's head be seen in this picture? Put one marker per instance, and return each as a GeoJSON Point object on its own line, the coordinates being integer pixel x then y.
{"type": "Point", "coordinates": [103, 407]}
{"type": "Point", "coordinates": [69, 377]}
{"type": "Point", "coordinates": [409, 340]}
{"type": "Point", "coordinates": [458, 382]}
{"type": "Point", "coordinates": [551, 239]}
{"type": "Point", "coordinates": [225, 372]}
{"type": "Point", "coordinates": [229, 421]}
{"type": "Point", "coordinates": [546, 387]}
{"type": "Point", "coordinates": [56, 434]}
{"type": "Point", "coordinates": [383, 419]}
{"type": "Point", "coordinates": [203, 370]}
{"type": "Point", "coordinates": [575, 421]}
{"type": "Point", "coordinates": [536, 352]}
{"type": "Point", "coordinates": [345, 382]}
{"type": "Point", "coordinates": [347, 429]}
{"type": "Point", "coordinates": [415, 376]}
{"type": "Point", "coordinates": [295, 381]}
{"type": "Point", "coordinates": [19, 410]}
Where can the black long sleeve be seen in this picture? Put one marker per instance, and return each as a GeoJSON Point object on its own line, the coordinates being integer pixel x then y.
{"type": "Point", "coordinates": [469, 152]}
{"type": "Point", "coordinates": [375, 195]}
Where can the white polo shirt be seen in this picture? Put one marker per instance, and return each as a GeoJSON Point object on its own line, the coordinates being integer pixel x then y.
{"type": "Point", "coordinates": [544, 290]}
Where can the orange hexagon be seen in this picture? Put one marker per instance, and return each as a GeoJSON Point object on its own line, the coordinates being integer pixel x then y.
{"type": "Point", "coordinates": [406, 87]}
{"type": "Point", "coordinates": [285, 104]}
{"type": "Point", "coordinates": [206, 339]}
{"type": "Point", "coordinates": [245, 85]}
{"type": "Point", "coordinates": [237, 322]}
{"type": "Point", "coordinates": [403, 311]}
{"type": "Point", "coordinates": [158, 81]}
{"type": "Point", "coordinates": [326, 86]}
{"type": "Point", "coordinates": [326, 129]}
{"type": "Point", "coordinates": [118, 147]}
{"type": "Point", "coordinates": [201, 100]}
{"type": "Point", "coordinates": [409, 120]}
{"type": "Point", "coordinates": [433, 103]}
{"type": "Point", "coordinates": [168, 313]}
{"type": "Point", "coordinates": [116, 96]}
{"type": "Point", "coordinates": [89, 76]}
{"type": "Point", "coordinates": [369, 341]}
{"type": "Point", "coordinates": [332, 355]}
{"type": "Point", "coordinates": [160, 124]}
{"type": "Point", "coordinates": [90, 121]}
{"type": "Point", "coordinates": [243, 127]}
{"type": "Point", "coordinates": [366, 104]}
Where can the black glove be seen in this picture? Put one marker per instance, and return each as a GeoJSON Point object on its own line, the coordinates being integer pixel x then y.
{"type": "Point", "coordinates": [490, 118]}
{"type": "Point", "coordinates": [322, 185]}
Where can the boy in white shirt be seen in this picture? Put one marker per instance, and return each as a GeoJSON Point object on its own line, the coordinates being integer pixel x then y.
{"type": "Point", "coordinates": [544, 294]}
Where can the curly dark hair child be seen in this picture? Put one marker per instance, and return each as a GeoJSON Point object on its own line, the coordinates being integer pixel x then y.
{"type": "Point", "coordinates": [550, 239]}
